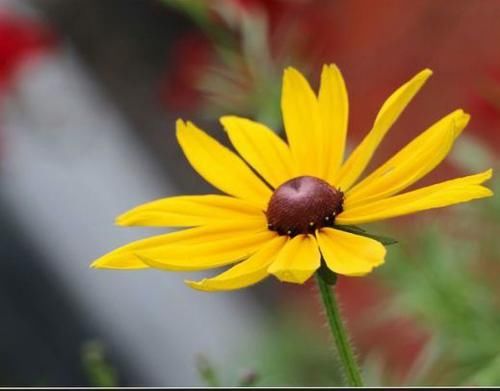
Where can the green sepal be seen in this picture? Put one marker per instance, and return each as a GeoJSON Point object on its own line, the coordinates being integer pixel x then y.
{"type": "Point", "coordinates": [327, 275]}
{"type": "Point", "coordinates": [386, 241]}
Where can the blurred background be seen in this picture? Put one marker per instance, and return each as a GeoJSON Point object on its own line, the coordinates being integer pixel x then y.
{"type": "Point", "coordinates": [89, 92]}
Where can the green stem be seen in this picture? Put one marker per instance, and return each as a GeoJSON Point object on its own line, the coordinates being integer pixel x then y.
{"type": "Point", "coordinates": [339, 333]}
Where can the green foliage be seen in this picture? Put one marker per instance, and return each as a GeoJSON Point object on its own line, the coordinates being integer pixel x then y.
{"type": "Point", "coordinates": [197, 10]}
{"type": "Point", "coordinates": [293, 353]}
{"type": "Point", "coordinates": [99, 372]}
{"type": "Point", "coordinates": [207, 371]}
{"type": "Point", "coordinates": [443, 277]}
{"type": "Point", "coordinates": [243, 78]}
{"type": "Point", "coordinates": [489, 375]}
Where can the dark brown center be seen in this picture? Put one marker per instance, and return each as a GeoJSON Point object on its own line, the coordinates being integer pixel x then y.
{"type": "Point", "coordinates": [302, 205]}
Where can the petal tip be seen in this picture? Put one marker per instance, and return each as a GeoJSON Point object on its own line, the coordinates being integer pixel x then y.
{"type": "Point", "coordinates": [227, 120]}
{"type": "Point", "coordinates": [180, 123]}
{"type": "Point", "coordinates": [183, 127]}
{"type": "Point", "coordinates": [460, 121]}
{"type": "Point", "coordinates": [331, 71]}
{"type": "Point", "coordinates": [122, 220]}
{"type": "Point", "coordinates": [292, 72]}
{"type": "Point", "coordinates": [180, 128]}
{"type": "Point", "coordinates": [224, 120]}
{"type": "Point", "coordinates": [487, 192]}
{"type": "Point", "coordinates": [421, 77]}
{"type": "Point", "coordinates": [197, 285]}
{"type": "Point", "coordinates": [100, 263]}
{"type": "Point", "coordinates": [426, 73]}
{"type": "Point", "coordinates": [483, 176]}
{"type": "Point", "coordinates": [331, 66]}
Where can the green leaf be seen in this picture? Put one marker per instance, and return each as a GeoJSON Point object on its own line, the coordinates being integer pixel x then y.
{"type": "Point", "coordinates": [386, 241]}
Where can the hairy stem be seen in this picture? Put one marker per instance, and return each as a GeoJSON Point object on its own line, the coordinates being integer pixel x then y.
{"type": "Point", "coordinates": [339, 333]}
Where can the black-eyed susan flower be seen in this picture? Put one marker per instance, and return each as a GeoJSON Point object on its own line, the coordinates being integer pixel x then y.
{"type": "Point", "coordinates": [287, 202]}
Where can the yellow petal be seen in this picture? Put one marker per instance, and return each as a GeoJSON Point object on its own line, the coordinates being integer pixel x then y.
{"type": "Point", "coordinates": [410, 164]}
{"type": "Point", "coordinates": [219, 166]}
{"type": "Point", "coordinates": [349, 254]}
{"type": "Point", "coordinates": [334, 111]}
{"type": "Point", "coordinates": [436, 196]}
{"type": "Point", "coordinates": [267, 153]}
{"type": "Point", "coordinates": [207, 254]}
{"type": "Point", "coordinates": [302, 122]}
{"type": "Point", "coordinates": [185, 211]}
{"type": "Point", "coordinates": [246, 273]}
{"type": "Point", "coordinates": [297, 261]}
{"type": "Point", "coordinates": [388, 114]}
{"type": "Point", "coordinates": [125, 256]}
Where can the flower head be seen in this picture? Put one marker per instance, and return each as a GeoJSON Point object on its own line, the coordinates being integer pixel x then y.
{"type": "Point", "coordinates": [290, 204]}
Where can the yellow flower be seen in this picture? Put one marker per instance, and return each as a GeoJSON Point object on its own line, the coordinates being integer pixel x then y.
{"type": "Point", "coordinates": [285, 201]}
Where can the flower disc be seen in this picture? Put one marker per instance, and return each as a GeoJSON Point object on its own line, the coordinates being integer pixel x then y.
{"type": "Point", "coordinates": [302, 205]}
